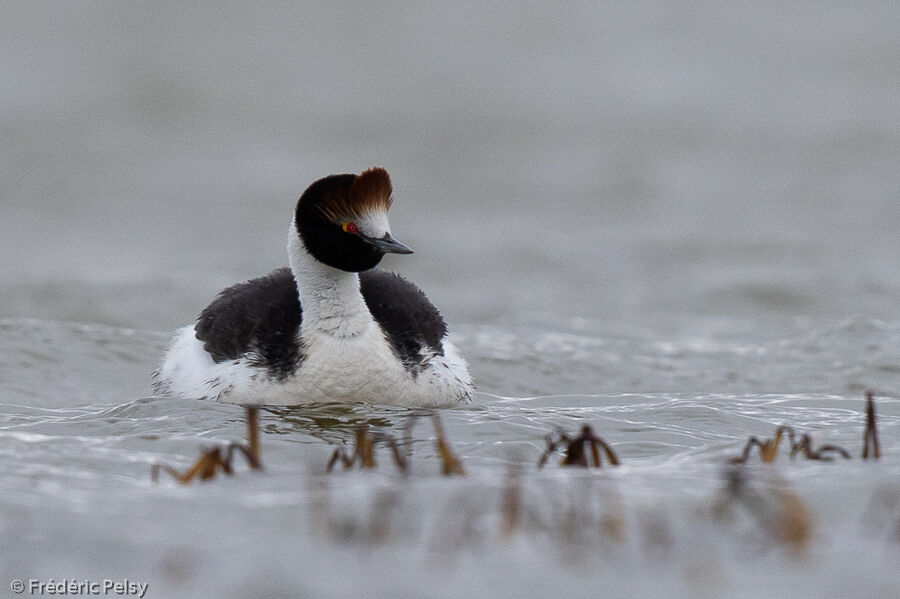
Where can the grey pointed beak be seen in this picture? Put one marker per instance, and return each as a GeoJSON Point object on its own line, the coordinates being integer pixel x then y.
{"type": "Point", "coordinates": [387, 244]}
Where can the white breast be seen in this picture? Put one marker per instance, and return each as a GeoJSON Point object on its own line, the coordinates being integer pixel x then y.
{"type": "Point", "coordinates": [361, 368]}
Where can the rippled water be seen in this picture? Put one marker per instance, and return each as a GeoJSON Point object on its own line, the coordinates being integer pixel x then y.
{"type": "Point", "coordinates": [79, 501]}
{"type": "Point", "coordinates": [675, 224]}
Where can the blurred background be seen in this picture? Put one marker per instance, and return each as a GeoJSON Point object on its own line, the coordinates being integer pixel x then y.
{"type": "Point", "coordinates": [677, 222]}
{"type": "Point", "coordinates": [609, 164]}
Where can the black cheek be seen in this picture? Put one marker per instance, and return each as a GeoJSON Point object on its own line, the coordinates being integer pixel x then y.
{"type": "Point", "coordinates": [329, 244]}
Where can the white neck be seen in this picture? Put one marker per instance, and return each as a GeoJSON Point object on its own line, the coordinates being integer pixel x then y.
{"type": "Point", "coordinates": [330, 297]}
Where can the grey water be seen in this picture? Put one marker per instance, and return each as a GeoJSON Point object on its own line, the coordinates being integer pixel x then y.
{"type": "Point", "coordinates": [676, 223]}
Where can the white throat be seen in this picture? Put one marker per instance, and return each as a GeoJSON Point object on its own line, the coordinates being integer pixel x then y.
{"type": "Point", "coordinates": [330, 297]}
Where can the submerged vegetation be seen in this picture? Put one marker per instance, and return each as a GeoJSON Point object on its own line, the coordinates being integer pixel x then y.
{"type": "Point", "coordinates": [576, 511]}
{"type": "Point", "coordinates": [576, 449]}
{"type": "Point", "coordinates": [214, 459]}
{"type": "Point", "coordinates": [768, 448]}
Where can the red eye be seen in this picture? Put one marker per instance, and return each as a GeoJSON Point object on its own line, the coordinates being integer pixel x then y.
{"type": "Point", "coordinates": [350, 228]}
